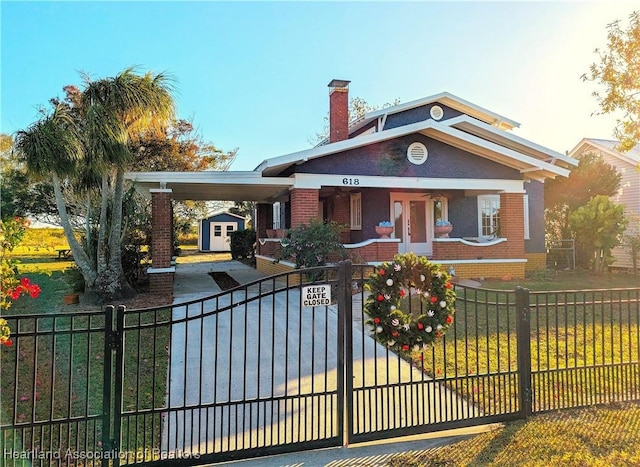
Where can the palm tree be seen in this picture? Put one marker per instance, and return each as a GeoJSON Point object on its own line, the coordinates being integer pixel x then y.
{"type": "Point", "coordinates": [91, 135]}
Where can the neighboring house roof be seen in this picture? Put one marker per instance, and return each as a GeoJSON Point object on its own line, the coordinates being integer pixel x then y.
{"type": "Point", "coordinates": [632, 156]}
{"type": "Point", "coordinates": [465, 132]}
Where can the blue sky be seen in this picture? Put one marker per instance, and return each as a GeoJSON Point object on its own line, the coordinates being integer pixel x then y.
{"type": "Point", "coordinates": [254, 75]}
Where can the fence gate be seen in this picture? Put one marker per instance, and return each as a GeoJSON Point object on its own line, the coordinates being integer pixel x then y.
{"type": "Point", "coordinates": [256, 371]}
{"type": "Point", "coordinates": [288, 363]}
{"type": "Point", "coordinates": [447, 385]}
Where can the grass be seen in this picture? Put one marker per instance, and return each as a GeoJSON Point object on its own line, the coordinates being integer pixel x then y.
{"type": "Point", "coordinates": [58, 365]}
{"type": "Point", "coordinates": [567, 280]}
{"type": "Point", "coordinates": [584, 348]}
{"type": "Point", "coordinates": [596, 436]}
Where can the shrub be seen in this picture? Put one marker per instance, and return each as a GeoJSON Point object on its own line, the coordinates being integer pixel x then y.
{"type": "Point", "coordinates": [243, 244]}
{"type": "Point", "coordinates": [314, 244]}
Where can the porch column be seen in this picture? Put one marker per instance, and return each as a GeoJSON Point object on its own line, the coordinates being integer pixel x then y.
{"type": "Point", "coordinates": [512, 223]}
{"type": "Point", "coordinates": [161, 272]}
{"type": "Point", "coordinates": [304, 206]}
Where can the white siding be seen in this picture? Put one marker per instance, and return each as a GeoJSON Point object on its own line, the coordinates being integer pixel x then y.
{"type": "Point", "coordinates": [628, 195]}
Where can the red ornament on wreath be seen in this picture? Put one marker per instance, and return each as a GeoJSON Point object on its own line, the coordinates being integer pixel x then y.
{"type": "Point", "coordinates": [414, 276]}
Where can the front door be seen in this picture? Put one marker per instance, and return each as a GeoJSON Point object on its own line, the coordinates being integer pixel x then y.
{"type": "Point", "coordinates": [412, 217]}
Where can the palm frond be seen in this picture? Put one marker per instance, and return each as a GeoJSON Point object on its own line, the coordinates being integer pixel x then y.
{"type": "Point", "coordinates": [51, 144]}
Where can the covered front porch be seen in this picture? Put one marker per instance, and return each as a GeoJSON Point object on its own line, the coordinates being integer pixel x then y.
{"type": "Point", "coordinates": [487, 217]}
{"type": "Point", "coordinates": [486, 236]}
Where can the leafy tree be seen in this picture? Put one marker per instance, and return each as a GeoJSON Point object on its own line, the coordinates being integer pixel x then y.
{"type": "Point", "coordinates": [592, 177]}
{"type": "Point", "coordinates": [86, 140]}
{"type": "Point", "coordinates": [598, 226]}
{"type": "Point", "coordinates": [619, 72]}
{"type": "Point", "coordinates": [245, 209]}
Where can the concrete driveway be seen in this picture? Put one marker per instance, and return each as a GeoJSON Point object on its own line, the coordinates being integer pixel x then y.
{"type": "Point", "coordinates": [263, 372]}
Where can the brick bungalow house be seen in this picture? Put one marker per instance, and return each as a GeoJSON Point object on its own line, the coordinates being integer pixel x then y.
{"type": "Point", "coordinates": [416, 165]}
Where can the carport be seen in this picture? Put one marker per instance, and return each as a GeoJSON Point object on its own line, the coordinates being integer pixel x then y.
{"type": "Point", "coordinates": [162, 187]}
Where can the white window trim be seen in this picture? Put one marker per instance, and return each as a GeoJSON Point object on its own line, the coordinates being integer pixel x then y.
{"type": "Point", "coordinates": [481, 198]}
{"type": "Point", "coordinates": [355, 211]}
{"type": "Point", "coordinates": [276, 215]}
{"type": "Point", "coordinates": [527, 233]}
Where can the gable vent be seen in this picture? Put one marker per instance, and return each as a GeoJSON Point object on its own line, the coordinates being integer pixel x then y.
{"type": "Point", "coordinates": [436, 112]}
{"type": "Point", "coordinates": [417, 153]}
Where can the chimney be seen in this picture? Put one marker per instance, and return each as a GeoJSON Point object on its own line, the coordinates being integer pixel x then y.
{"type": "Point", "coordinates": [338, 110]}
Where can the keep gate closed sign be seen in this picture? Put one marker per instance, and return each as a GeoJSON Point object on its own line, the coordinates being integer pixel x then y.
{"type": "Point", "coordinates": [316, 295]}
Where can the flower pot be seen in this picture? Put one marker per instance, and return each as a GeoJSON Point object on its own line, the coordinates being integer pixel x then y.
{"type": "Point", "coordinates": [443, 231]}
{"type": "Point", "coordinates": [71, 298]}
{"type": "Point", "coordinates": [384, 231]}
{"type": "Point", "coordinates": [271, 233]}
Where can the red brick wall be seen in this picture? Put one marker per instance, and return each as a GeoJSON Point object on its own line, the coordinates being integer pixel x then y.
{"type": "Point", "coordinates": [457, 250]}
{"type": "Point", "coordinates": [265, 219]}
{"type": "Point", "coordinates": [161, 284]}
{"type": "Point", "coordinates": [304, 206]}
{"type": "Point", "coordinates": [377, 251]}
{"type": "Point", "coordinates": [338, 114]}
{"type": "Point", "coordinates": [161, 220]}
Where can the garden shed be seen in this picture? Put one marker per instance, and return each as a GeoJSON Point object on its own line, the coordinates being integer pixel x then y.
{"type": "Point", "coordinates": [214, 231]}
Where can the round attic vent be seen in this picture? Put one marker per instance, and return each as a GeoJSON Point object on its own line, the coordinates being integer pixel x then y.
{"type": "Point", "coordinates": [436, 112]}
{"type": "Point", "coordinates": [417, 153]}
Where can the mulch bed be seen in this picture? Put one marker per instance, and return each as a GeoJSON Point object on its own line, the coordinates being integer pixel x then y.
{"type": "Point", "coordinates": [224, 280]}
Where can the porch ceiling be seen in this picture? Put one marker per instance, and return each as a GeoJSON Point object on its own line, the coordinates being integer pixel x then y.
{"type": "Point", "coordinates": [213, 186]}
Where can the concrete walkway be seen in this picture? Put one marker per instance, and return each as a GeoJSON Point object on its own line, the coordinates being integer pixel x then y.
{"type": "Point", "coordinates": [283, 362]}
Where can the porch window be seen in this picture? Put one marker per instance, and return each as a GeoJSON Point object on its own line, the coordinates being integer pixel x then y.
{"type": "Point", "coordinates": [489, 216]}
{"type": "Point", "coordinates": [276, 215]}
{"type": "Point", "coordinates": [356, 211]}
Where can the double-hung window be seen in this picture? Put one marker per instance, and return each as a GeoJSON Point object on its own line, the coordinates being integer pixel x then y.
{"type": "Point", "coordinates": [489, 216]}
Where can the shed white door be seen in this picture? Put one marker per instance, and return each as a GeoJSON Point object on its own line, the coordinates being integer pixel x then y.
{"type": "Point", "coordinates": [220, 239]}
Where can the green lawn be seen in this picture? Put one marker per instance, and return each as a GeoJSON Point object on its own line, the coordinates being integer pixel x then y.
{"type": "Point", "coordinates": [60, 370]}
{"type": "Point", "coordinates": [596, 436]}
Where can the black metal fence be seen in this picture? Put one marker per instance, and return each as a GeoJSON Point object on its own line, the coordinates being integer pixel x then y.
{"type": "Point", "coordinates": [255, 371]}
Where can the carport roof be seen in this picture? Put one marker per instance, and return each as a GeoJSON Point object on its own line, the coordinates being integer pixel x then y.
{"type": "Point", "coordinates": [209, 185]}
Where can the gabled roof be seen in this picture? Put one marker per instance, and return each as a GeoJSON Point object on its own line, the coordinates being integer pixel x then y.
{"type": "Point", "coordinates": [464, 132]}
{"type": "Point", "coordinates": [225, 212]}
{"type": "Point", "coordinates": [444, 98]}
{"type": "Point", "coordinates": [609, 146]}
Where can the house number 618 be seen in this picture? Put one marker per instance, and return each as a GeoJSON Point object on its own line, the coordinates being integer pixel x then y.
{"type": "Point", "coordinates": [351, 181]}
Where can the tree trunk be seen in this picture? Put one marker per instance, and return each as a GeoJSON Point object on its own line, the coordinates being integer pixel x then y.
{"type": "Point", "coordinates": [112, 281]}
{"type": "Point", "coordinates": [79, 255]}
{"type": "Point", "coordinates": [101, 253]}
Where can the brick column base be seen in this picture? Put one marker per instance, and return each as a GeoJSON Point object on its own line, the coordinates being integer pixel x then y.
{"type": "Point", "coordinates": [161, 282]}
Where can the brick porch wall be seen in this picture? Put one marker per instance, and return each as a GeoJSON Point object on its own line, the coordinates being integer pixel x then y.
{"type": "Point", "coordinates": [374, 252]}
{"type": "Point", "coordinates": [536, 261]}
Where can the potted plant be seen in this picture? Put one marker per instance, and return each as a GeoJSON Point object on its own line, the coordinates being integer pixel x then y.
{"type": "Point", "coordinates": [384, 229]}
{"type": "Point", "coordinates": [75, 280]}
{"type": "Point", "coordinates": [443, 228]}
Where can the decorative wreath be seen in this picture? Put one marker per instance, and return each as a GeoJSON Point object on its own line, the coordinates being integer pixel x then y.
{"type": "Point", "coordinates": [390, 284]}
